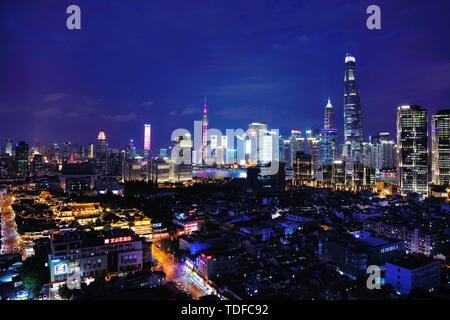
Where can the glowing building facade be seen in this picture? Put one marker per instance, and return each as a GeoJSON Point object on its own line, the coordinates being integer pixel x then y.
{"type": "Point", "coordinates": [100, 151]}
{"type": "Point", "coordinates": [9, 147]}
{"type": "Point", "coordinates": [353, 126]}
{"type": "Point", "coordinates": [440, 144]}
{"type": "Point", "coordinates": [329, 116]}
{"type": "Point", "coordinates": [204, 127]}
{"type": "Point", "coordinates": [297, 144]}
{"type": "Point", "coordinates": [412, 149]}
{"type": "Point", "coordinates": [147, 135]}
{"type": "Point", "coordinates": [312, 148]}
{"type": "Point", "coordinates": [328, 146]}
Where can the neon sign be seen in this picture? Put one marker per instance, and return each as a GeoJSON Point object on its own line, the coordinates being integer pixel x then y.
{"type": "Point", "coordinates": [190, 227]}
{"type": "Point", "coordinates": [61, 268]}
{"type": "Point", "coordinates": [117, 240]}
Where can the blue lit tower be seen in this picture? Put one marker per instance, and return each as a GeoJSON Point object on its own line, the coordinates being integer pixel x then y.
{"type": "Point", "coordinates": [353, 127]}
{"type": "Point", "coordinates": [328, 137]}
{"type": "Point", "coordinates": [329, 116]}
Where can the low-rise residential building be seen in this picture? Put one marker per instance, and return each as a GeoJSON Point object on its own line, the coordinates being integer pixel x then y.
{"type": "Point", "coordinates": [354, 255]}
{"type": "Point", "coordinates": [413, 272]}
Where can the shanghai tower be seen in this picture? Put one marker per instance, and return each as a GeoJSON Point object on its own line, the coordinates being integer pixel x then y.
{"type": "Point", "coordinates": [353, 127]}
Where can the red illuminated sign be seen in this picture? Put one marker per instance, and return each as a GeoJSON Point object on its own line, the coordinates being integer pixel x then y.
{"type": "Point", "coordinates": [117, 240]}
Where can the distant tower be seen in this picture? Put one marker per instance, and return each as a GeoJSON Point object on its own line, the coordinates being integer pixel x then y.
{"type": "Point", "coordinates": [130, 150]}
{"type": "Point", "coordinates": [353, 126]}
{"type": "Point", "coordinates": [22, 150]}
{"type": "Point", "coordinates": [9, 147]}
{"type": "Point", "coordinates": [147, 131]}
{"type": "Point", "coordinates": [100, 151]}
{"type": "Point", "coordinates": [204, 127]}
{"type": "Point", "coordinates": [328, 147]}
{"type": "Point", "coordinates": [329, 116]}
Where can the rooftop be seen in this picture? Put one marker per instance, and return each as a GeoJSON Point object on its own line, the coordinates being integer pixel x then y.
{"type": "Point", "coordinates": [413, 262]}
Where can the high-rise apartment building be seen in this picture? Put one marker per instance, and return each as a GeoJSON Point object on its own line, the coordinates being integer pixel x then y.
{"type": "Point", "coordinates": [22, 150]}
{"type": "Point", "coordinates": [440, 147]}
{"type": "Point", "coordinates": [302, 170]}
{"type": "Point", "coordinates": [328, 146]}
{"type": "Point", "coordinates": [412, 149]}
{"type": "Point", "coordinates": [287, 155]}
{"type": "Point", "coordinates": [260, 144]}
{"type": "Point", "coordinates": [297, 144]}
{"type": "Point", "coordinates": [312, 148]}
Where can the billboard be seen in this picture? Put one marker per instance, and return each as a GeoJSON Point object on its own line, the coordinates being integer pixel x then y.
{"type": "Point", "coordinates": [61, 268]}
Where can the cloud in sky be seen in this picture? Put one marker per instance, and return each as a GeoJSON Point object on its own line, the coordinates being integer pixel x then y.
{"type": "Point", "coordinates": [147, 103]}
{"type": "Point", "coordinates": [55, 96]}
{"type": "Point", "coordinates": [123, 117]}
{"type": "Point", "coordinates": [52, 112]}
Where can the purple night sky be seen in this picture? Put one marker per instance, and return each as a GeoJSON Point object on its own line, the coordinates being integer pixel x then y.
{"type": "Point", "coordinates": [146, 61]}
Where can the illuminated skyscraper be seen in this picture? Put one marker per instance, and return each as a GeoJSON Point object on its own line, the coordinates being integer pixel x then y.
{"type": "Point", "coordinates": [67, 150]}
{"type": "Point", "coordinates": [412, 149]}
{"type": "Point", "coordinates": [56, 150]}
{"type": "Point", "coordinates": [328, 146]}
{"type": "Point", "coordinates": [214, 142]}
{"type": "Point", "coordinates": [368, 154]}
{"type": "Point", "coordinates": [297, 144]}
{"type": "Point", "coordinates": [440, 144]}
{"type": "Point", "coordinates": [329, 116]}
{"type": "Point", "coordinates": [353, 126]}
{"type": "Point", "coordinates": [312, 148]}
{"type": "Point", "coordinates": [147, 131]}
{"type": "Point", "coordinates": [204, 127]}
{"type": "Point", "coordinates": [224, 145]}
{"type": "Point", "coordinates": [91, 151]}
{"type": "Point", "coordinates": [386, 152]}
{"type": "Point", "coordinates": [100, 151]}
{"type": "Point", "coordinates": [9, 147]}
{"type": "Point", "coordinates": [255, 143]}
{"type": "Point", "coordinates": [302, 169]}
{"type": "Point", "coordinates": [286, 151]}
{"type": "Point", "coordinates": [130, 150]}
{"type": "Point", "coordinates": [22, 150]}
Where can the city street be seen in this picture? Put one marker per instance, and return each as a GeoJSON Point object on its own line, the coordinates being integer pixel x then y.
{"type": "Point", "coordinates": [174, 272]}
{"type": "Point", "coordinates": [10, 239]}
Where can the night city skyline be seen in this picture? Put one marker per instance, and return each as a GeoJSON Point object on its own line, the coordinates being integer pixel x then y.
{"type": "Point", "coordinates": [243, 152]}
{"type": "Point", "coordinates": [275, 63]}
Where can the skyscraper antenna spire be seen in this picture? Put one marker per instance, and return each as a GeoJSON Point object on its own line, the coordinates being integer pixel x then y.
{"type": "Point", "coordinates": [329, 116]}
{"type": "Point", "coordinates": [204, 126]}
